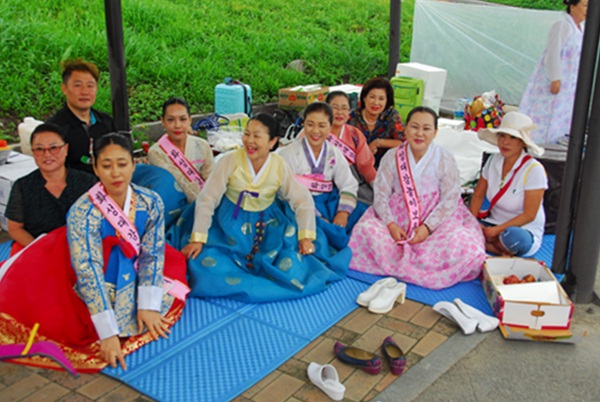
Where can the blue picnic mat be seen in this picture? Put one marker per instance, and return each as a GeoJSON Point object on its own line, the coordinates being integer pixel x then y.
{"type": "Point", "coordinates": [470, 292]}
{"type": "Point", "coordinates": [221, 347]}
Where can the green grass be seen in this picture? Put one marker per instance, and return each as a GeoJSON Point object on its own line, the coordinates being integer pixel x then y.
{"type": "Point", "coordinates": [186, 47]}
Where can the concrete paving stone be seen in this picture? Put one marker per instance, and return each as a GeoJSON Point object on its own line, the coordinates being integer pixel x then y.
{"type": "Point", "coordinates": [98, 386]}
{"type": "Point", "coordinates": [10, 373]}
{"type": "Point", "coordinates": [295, 368]}
{"type": "Point", "coordinates": [412, 359]}
{"type": "Point", "coordinates": [259, 386]}
{"type": "Point", "coordinates": [341, 334]}
{"type": "Point", "coordinates": [23, 388]}
{"type": "Point", "coordinates": [50, 392]}
{"type": "Point", "coordinates": [321, 353]}
{"type": "Point", "coordinates": [120, 394]}
{"type": "Point", "coordinates": [292, 399]}
{"type": "Point", "coordinates": [428, 343]}
{"type": "Point", "coordinates": [387, 379]}
{"type": "Point", "coordinates": [350, 316]}
{"type": "Point", "coordinates": [362, 321]}
{"type": "Point", "coordinates": [371, 395]}
{"type": "Point", "coordinates": [241, 398]}
{"type": "Point", "coordinates": [307, 348]}
{"type": "Point", "coordinates": [143, 398]}
{"type": "Point", "coordinates": [445, 327]}
{"type": "Point", "coordinates": [359, 384]}
{"type": "Point", "coordinates": [310, 393]}
{"type": "Point", "coordinates": [403, 327]}
{"type": "Point", "coordinates": [405, 311]}
{"type": "Point", "coordinates": [426, 317]}
{"type": "Point", "coordinates": [280, 389]}
{"type": "Point", "coordinates": [372, 339]}
{"type": "Point", "coordinates": [67, 380]}
{"type": "Point", "coordinates": [344, 370]}
{"type": "Point", "coordinates": [74, 397]}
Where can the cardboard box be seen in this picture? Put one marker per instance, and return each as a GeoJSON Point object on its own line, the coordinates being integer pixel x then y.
{"type": "Point", "coordinates": [540, 335]}
{"type": "Point", "coordinates": [540, 305]}
{"type": "Point", "coordinates": [433, 103]}
{"type": "Point", "coordinates": [299, 97]}
{"type": "Point", "coordinates": [434, 77]}
{"type": "Point", "coordinates": [17, 166]}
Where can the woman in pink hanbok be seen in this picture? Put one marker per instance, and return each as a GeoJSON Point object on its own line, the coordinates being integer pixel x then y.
{"type": "Point", "coordinates": [418, 229]}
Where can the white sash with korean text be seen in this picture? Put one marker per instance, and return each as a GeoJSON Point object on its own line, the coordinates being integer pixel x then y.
{"type": "Point", "coordinates": [180, 161]}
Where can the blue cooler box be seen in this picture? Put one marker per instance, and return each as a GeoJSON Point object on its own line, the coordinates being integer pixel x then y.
{"type": "Point", "coordinates": [233, 98]}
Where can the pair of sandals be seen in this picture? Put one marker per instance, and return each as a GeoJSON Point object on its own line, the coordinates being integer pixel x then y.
{"type": "Point", "coordinates": [326, 378]}
{"type": "Point", "coordinates": [381, 296]}
{"type": "Point", "coordinates": [468, 318]}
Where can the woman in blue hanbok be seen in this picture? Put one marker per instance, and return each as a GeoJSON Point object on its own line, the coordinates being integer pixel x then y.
{"type": "Point", "coordinates": [322, 168]}
{"type": "Point", "coordinates": [254, 236]}
{"type": "Point", "coordinates": [112, 287]}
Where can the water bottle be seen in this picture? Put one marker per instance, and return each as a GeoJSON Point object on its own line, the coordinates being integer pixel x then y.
{"type": "Point", "coordinates": [25, 129]}
{"type": "Point", "coordinates": [459, 108]}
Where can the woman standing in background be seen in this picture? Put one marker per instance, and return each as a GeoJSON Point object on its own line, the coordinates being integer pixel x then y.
{"type": "Point", "coordinates": [550, 94]}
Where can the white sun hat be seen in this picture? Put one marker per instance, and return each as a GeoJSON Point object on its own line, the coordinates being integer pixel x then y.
{"type": "Point", "coordinates": [516, 125]}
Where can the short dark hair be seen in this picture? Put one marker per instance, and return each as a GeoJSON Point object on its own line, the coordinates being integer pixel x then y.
{"type": "Point", "coordinates": [423, 109]}
{"type": "Point", "coordinates": [336, 94]}
{"type": "Point", "coordinates": [175, 101]}
{"type": "Point", "coordinates": [378, 83]}
{"type": "Point", "coordinates": [271, 124]}
{"type": "Point", "coordinates": [47, 128]}
{"type": "Point", "coordinates": [68, 66]}
{"type": "Point", "coordinates": [316, 107]}
{"type": "Point", "coordinates": [110, 139]}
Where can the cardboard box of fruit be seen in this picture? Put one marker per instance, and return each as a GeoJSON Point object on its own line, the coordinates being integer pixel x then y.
{"type": "Point", "coordinates": [524, 293]}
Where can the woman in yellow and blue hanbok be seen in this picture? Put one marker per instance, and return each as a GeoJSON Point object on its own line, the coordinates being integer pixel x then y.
{"type": "Point", "coordinates": [254, 236]}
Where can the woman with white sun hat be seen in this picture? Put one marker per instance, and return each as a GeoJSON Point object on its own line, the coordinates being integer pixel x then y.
{"type": "Point", "coordinates": [511, 189]}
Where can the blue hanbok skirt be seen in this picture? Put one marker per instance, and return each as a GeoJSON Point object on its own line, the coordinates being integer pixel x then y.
{"type": "Point", "coordinates": [228, 266]}
{"type": "Point", "coordinates": [327, 204]}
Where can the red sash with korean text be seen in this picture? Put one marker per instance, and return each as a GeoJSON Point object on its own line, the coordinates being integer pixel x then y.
{"type": "Point", "coordinates": [339, 144]}
{"type": "Point", "coordinates": [315, 182]}
{"type": "Point", "coordinates": [128, 233]}
{"type": "Point", "coordinates": [409, 191]}
{"type": "Point", "coordinates": [179, 160]}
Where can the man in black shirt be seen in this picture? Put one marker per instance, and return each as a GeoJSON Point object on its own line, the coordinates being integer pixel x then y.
{"type": "Point", "coordinates": [77, 120]}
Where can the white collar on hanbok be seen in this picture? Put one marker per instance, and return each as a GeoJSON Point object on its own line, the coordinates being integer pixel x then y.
{"type": "Point", "coordinates": [256, 176]}
{"type": "Point", "coordinates": [127, 205]}
{"type": "Point", "coordinates": [427, 161]}
{"type": "Point", "coordinates": [310, 152]}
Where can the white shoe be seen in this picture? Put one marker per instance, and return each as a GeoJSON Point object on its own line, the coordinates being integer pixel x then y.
{"type": "Point", "coordinates": [365, 297]}
{"type": "Point", "coordinates": [383, 303]}
{"type": "Point", "coordinates": [326, 378]}
{"type": "Point", "coordinates": [485, 322]}
{"type": "Point", "coordinates": [450, 311]}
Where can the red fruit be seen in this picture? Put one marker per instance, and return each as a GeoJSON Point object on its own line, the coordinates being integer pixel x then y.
{"type": "Point", "coordinates": [510, 280]}
{"type": "Point", "coordinates": [528, 278]}
{"type": "Point", "coordinates": [145, 146]}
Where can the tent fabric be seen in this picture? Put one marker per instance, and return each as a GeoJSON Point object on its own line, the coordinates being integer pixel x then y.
{"type": "Point", "coordinates": [482, 46]}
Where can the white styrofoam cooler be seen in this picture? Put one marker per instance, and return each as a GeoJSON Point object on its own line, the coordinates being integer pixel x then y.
{"type": "Point", "coordinates": [434, 77]}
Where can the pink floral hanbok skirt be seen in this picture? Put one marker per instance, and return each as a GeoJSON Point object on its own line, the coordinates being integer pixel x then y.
{"type": "Point", "coordinates": [454, 252]}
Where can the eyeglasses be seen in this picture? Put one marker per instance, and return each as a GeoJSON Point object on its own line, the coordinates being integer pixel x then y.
{"type": "Point", "coordinates": [54, 150]}
{"type": "Point", "coordinates": [342, 108]}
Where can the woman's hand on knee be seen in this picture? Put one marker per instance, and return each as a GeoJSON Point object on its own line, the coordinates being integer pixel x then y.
{"type": "Point", "coordinates": [191, 250]}
{"type": "Point", "coordinates": [156, 324]}
{"type": "Point", "coordinates": [341, 219]}
{"type": "Point", "coordinates": [421, 233]}
{"type": "Point", "coordinates": [110, 351]}
{"type": "Point", "coordinates": [306, 246]}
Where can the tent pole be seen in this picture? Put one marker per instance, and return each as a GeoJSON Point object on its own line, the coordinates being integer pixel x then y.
{"type": "Point", "coordinates": [116, 63]}
{"type": "Point", "coordinates": [395, 23]}
{"type": "Point", "coordinates": [570, 186]}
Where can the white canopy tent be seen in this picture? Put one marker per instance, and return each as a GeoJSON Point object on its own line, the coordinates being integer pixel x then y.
{"type": "Point", "coordinates": [482, 46]}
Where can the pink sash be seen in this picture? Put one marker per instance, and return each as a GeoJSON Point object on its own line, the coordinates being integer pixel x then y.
{"type": "Point", "coordinates": [315, 182]}
{"type": "Point", "coordinates": [339, 144]}
{"type": "Point", "coordinates": [409, 191]}
{"type": "Point", "coordinates": [128, 232]}
{"type": "Point", "coordinates": [180, 161]}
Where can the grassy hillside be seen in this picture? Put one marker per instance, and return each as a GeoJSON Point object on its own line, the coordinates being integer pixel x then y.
{"type": "Point", "coordinates": [186, 47]}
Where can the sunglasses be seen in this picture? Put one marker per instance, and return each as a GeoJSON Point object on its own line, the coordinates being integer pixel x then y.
{"type": "Point", "coordinates": [54, 150]}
